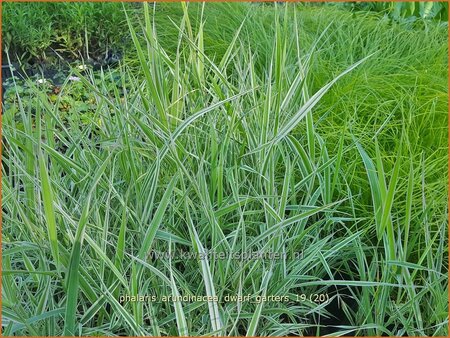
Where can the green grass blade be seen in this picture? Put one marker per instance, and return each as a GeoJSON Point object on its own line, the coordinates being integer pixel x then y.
{"type": "Point", "coordinates": [49, 211]}
{"type": "Point", "coordinates": [157, 219]}
{"type": "Point", "coordinates": [251, 332]}
{"type": "Point", "coordinates": [73, 269]}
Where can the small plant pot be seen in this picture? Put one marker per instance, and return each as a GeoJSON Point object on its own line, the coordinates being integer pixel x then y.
{"type": "Point", "coordinates": [6, 72]}
{"type": "Point", "coordinates": [11, 70]}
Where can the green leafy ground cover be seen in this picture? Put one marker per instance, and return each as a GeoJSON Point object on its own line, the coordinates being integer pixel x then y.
{"type": "Point", "coordinates": [234, 128]}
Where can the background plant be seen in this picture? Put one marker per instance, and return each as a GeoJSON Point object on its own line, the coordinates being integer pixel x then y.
{"type": "Point", "coordinates": [243, 147]}
{"type": "Point", "coordinates": [409, 11]}
{"type": "Point", "coordinates": [36, 30]}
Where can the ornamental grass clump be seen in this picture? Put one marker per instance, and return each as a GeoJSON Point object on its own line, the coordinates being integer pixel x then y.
{"type": "Point", "coordinates": [309, 139]}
